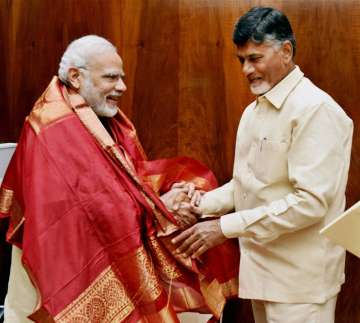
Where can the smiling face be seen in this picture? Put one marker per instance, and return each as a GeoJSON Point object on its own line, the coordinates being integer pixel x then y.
{"type": "Point", "coordinates": [265, 64]}
{"type": "Point", "coordinates": [101, 83]}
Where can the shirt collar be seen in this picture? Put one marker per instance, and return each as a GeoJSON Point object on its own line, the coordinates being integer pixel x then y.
{"type": "Point", "coordinates": [277, 95]}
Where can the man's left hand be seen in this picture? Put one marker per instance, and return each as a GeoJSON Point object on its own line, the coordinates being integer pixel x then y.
{"type": "Point", "coordinates": [199, 238]}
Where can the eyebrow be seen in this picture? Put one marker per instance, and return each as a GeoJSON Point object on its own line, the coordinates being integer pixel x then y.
{"type": "Point", "coordinates": [250, 56]}
{"type": "Point", "coordinates": [112, 73]}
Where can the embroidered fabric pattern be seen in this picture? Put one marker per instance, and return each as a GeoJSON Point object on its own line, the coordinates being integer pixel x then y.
{"type": "Point", "coordinates": [165, 263]}
{"type": "Point", "coordinates": [150, 288]}
{"type": "Point", "coordinates": [105, 300]}
{"type": "Point", "coordinates": [6, 200]}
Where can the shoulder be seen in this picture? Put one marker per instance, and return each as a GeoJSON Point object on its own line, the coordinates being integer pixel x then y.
{"type": "Point", "coordinates": [307, 98]}
{"type": "Point", "coordinates": [50, 107]}
{"type": "Point", "coordinates": [248, 110]}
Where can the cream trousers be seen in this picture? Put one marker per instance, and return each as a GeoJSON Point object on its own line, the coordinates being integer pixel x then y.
{"type": "Point", "coordinates": [271, 312]}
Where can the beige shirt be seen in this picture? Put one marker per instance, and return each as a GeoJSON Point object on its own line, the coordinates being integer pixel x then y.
{"type": "Point", "coordinates": [291, 166]}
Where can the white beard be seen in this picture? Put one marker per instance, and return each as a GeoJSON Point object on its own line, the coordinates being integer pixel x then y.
{"type": "Point", "coordinates": [105, 110]}
{"type": "Point", "coordinates": [260, 89]}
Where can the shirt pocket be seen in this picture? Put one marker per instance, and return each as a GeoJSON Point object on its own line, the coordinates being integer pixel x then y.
{"type": "Point", "coordinates": [268, 159]}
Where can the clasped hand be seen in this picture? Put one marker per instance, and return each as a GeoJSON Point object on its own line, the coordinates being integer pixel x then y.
{"type": "Point", "coordinates": [182, 201]}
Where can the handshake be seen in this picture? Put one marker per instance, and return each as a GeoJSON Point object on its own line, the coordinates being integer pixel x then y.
{"type": "Point", "coordinates": [197, 237]}
{"type": "Point", "coordinates": [183, 202]}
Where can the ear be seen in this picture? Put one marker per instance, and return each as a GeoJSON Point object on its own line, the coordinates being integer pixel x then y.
{"type": "Point", "coordinates": [74, 78]}
{"type": "Point", "coordinates": [287, 51]}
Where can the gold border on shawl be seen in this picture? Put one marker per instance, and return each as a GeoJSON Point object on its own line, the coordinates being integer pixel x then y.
{"type": "Point", "coordinates": [114, 151]}
{"type": "Point", "coordinates": [13, 235]}
{"type": "Point", "coordinates": [104, 301]}
{"type": "Point", "coordinates": [166, 264]}
{"type": "Point", "coordinates": [16, 222]}
{"type": "Point", "coordinates": [49, 113]}
{"type": "Point", "coordinates": [6, 200]}
{"type": "Point", "coordinates": [154, 181]}
{"type": "Point", "coordinates": [92, 123]}
{"type": "Point", "coordinates": [230, 288]}
{"type": "Point", "coordinates": [189, 301]}
{"type": "Point", "coordinates": [17, 216]}
{"type": "Point", "coordinates": [139, 263]}
{"type": "Point", "coordinates": [132, 133]}
{"type": "Point", "coordinates": [150, 280]}
{"type": "Point", "coordinates": [49, 108]}
{"type": "Point", "coordinates": [213, 296]}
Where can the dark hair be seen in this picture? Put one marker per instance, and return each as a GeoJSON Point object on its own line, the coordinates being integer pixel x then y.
{"type": "Point", "coordinates": [262, 23]}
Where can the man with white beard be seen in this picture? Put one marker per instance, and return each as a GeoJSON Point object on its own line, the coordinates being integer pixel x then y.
{"type": "Point", "coordinates": [91, 219]}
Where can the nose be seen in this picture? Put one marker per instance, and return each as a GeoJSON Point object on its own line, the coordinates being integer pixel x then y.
{"type": "Point", "coordinates": [247, 68]}
{"type": "Point", "coordinates": [120, 85]}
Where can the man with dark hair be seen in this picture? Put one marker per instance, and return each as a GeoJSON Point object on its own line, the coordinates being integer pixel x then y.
{"type": "Point", "coordinates": [290, 173]}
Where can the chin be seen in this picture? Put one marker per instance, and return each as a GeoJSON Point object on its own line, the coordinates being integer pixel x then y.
{"type": "Point", "coordinates": [106, 110]}
{"type": "Point", "coordinates": [260, 89]}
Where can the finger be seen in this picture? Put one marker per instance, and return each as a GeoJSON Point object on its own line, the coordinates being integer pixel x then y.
{"type": "Point", "coordinates": [194, 198]}
{"type": "Point", "coordinates": [193, 248]}
{"type": "Point", "coordinates": [200, 195]}
{"type": "Point", "coordinates": [191, 189]}
{"type": "Point", "coordinates": [182, 225]}
{"type": "Point", "coordinates": [178, 219]}
{"type": "Point", "coordinates": [196, 210]}
{"type": "Point", "coordinates": [199, 251]}
{"type": "Point", "coordinates": [188, 218]}
{"type": "Point", "coordinates": [175, 206]}
{"type": "Point", "coordinates": [183, 248]}
{"type": "Point", "coordinates": [182, 236]}
{"type": "Point", "coordinates": [181, 190]}
{"type": "Point", "coordinates": [185, 210]}
{"type": "Point", "coordinates": [185, 205]}
{"type": "Point", "coordinates": [178, 184]}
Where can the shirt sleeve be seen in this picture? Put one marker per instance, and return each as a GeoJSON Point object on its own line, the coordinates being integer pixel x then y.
{"type": "Point", "coordinates": [318, 162]}
{"type": "Point", "coordinates": [218, 201]}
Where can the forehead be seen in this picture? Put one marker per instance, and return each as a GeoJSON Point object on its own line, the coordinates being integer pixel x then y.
{"type": "Point", "coordinates": [106, 62]}
{"type": "Point", "coordinates": [250, 48]}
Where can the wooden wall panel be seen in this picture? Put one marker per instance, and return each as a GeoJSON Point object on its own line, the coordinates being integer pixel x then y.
{"type": "Point", "coordinates": [156, 90]}
{"type": "Point", "coordinates": [202, 91]}
{"type": "Point", "coordinates": [5, 36]}
{"type": "Point", "coordinates": [185, 92]}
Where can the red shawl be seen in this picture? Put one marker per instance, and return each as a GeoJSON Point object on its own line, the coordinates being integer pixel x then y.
{"type": "Point", "coordinates": [84, 208]}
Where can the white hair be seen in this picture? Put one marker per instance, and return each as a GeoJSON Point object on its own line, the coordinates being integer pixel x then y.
{"type": "Point", "coordinates": [79, 51]}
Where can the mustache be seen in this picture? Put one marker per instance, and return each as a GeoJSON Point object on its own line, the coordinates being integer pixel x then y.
{"type": "Point", "coordinates": [114, 95]}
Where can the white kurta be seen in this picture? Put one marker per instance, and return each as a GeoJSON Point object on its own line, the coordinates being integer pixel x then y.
{"type": "Point", "coordinates": [290, 173]}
